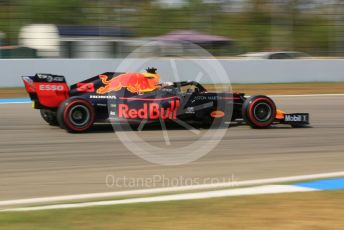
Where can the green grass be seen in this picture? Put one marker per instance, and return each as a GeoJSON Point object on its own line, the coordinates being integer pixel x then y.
{"type": "Point", "coordinates": [311, 210]}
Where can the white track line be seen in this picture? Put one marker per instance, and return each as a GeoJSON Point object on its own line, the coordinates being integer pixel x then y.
{"type": "Point", "coordinates": [5, 103]}
{"type": "Point", "coordinates": [168, 189]}
{"type": "Point", "coordinates": [266, 189]}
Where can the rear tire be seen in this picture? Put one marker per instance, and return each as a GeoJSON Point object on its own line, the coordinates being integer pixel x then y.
{"type": "Point", "coordinates": [49, 116]}
{"type": "Point", "coordinates": [76, 115]}
{"type": "Point", "coordinates": [259, 111]}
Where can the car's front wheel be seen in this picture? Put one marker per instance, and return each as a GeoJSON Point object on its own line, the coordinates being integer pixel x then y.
{"type": "Point", "coordinates": [259, 111]}
{"type": "Point", "coordinates": [76, 115]}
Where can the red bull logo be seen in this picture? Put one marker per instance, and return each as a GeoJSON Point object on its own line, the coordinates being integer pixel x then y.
{"type": "Point", "coordinates": [133, 82]}
{"type": "Point", "coordinates": [150, 111]}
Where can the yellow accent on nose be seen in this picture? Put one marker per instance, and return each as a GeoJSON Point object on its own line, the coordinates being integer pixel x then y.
{"type": "Point", "coordinates": [151, 75]}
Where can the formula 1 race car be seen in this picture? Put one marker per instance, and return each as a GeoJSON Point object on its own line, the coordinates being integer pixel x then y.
{"type": "Point", "coordinates": [137, 97]}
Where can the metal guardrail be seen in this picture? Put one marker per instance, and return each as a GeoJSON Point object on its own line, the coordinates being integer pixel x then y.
{"type": "Point", "coordinates": [237, 71]}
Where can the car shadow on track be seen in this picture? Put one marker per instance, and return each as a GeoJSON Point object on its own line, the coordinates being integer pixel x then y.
{"type": "Point", "coordinates": [109, 128]}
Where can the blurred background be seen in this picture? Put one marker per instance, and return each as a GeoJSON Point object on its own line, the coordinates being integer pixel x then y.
{"type": "Point", "coordinates": [226, 28]}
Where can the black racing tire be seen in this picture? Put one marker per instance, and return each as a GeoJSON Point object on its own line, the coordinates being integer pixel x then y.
{"type": "Point", "coordinates": [49, 116]}
{"type": "Point", "coordinates": [76, 115]}
{"type": "Point", "coordinates": [259, 111]}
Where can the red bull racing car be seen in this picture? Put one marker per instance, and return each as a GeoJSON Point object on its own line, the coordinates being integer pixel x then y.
{"type": "Point", "coordinates": [137, 97]}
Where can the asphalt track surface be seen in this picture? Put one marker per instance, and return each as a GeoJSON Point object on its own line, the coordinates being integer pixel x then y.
{"type": "Point", "coordinates": [40, 160]}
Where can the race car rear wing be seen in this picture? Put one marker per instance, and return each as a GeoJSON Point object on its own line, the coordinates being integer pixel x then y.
{"type": "Point", "coordinates": [46, 90]}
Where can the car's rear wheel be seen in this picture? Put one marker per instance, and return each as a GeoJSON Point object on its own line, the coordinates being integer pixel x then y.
{"type": "Point", "coordinates": [49, 116]}
{"type": "Point", "coordinates": [76, 115]}
{"type": "Point", "coordinates": [259, 111]}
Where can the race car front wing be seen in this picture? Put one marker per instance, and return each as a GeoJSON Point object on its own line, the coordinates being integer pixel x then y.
{"type": "Point", "coordinates": [295, 119]}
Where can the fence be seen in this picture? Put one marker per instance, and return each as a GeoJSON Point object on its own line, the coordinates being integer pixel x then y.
{"type": "Point", "coordinates": [235, 71]}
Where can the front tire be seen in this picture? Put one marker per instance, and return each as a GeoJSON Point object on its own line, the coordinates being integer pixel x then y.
{"type": "Point", "coordinates": [259, 111]}
{"type": "Point", "coordinates": [76, 115]}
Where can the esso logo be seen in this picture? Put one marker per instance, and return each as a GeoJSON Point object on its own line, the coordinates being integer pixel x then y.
{"type": "Point", "coordinates": [51, 87]}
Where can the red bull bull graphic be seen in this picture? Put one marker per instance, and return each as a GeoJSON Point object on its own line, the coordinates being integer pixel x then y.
{"type": "Point", "coordinates": [151, 111]}
{"type": "Point", "coordinates": [133, 82]}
